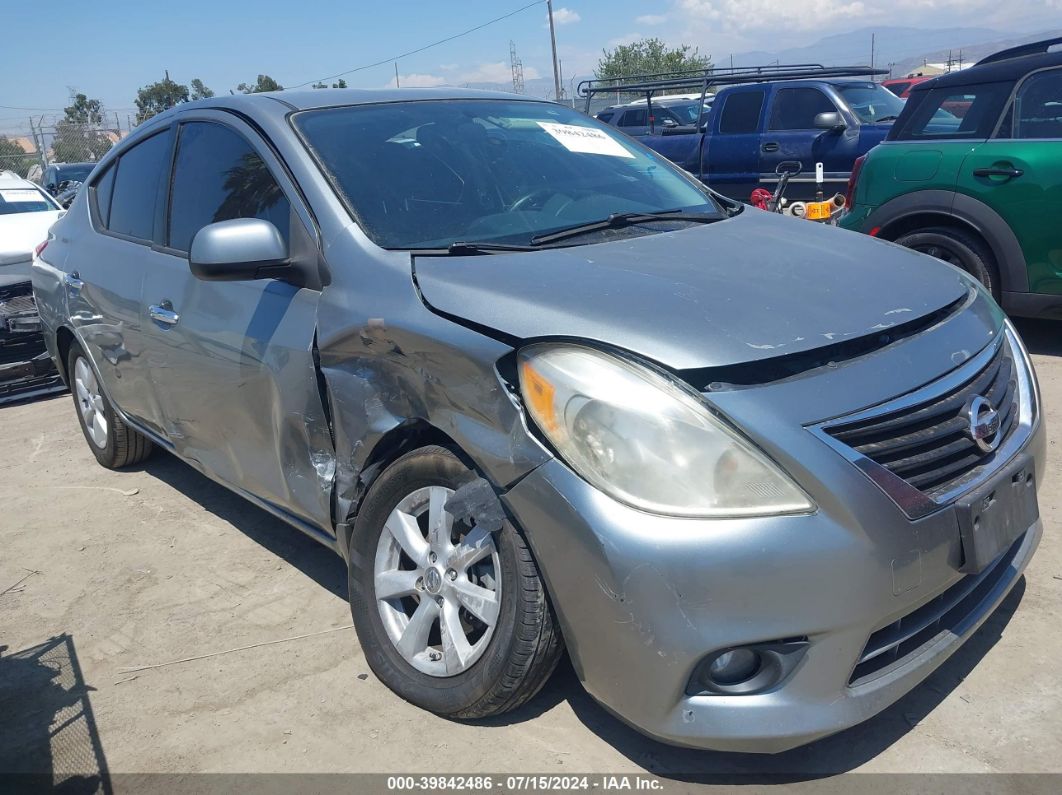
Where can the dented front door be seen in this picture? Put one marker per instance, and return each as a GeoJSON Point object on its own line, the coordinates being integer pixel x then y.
{"type": "Point", "coordinates": [232, 363]}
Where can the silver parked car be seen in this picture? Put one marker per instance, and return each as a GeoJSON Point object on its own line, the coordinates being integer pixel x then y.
{"type": "Point", "coordinates": [539, 388]}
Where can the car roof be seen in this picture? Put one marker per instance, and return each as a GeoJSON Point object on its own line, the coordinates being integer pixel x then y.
{"type": "Point", "coordinates": [9, 179]}
{"type": "Point", "coordinates": [993, 71]}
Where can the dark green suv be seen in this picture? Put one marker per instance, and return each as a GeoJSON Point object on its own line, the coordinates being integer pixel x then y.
{"type": "Point", "coordinates": [971, 173]}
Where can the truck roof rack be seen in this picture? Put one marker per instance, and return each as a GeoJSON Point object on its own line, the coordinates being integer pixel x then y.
{"type": "Point", "coordinates": [705, 79]}
{"type": "Point", "coordinates": [1035, 48]}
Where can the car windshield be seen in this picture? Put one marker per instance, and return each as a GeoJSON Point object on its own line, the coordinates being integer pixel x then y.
{"type": "Point", "coordinates": [23, 200]}
{"type": "Point", "coordinates": [77, 173]}
{"type": "Point", "coordinates": [687, 112]}
{"type": "Point", "coordinates": [871, 102]}
{"type": "Point", "coordinates": [423, 175]}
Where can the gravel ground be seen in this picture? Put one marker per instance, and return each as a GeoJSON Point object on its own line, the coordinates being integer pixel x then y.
{"type": "Point", "coordinates": [106, 571]}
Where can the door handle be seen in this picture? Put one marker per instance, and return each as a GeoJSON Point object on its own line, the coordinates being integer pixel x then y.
{"type": "Point", "coordinates": [998, 171]}
{"type": "Point", "coordinates": [162, 312]}
{"type": "Point", "coordinates": [770, 147]}
{"type": "Point", "coordinates": [73, 281]}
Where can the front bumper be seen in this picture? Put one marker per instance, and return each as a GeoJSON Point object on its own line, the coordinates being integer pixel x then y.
{"type": "Point", "coordinates": [26, 367]}
{"type": "Point", "coordinates": [642, 599]}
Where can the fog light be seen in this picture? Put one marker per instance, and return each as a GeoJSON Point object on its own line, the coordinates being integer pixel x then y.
{"type": "Point", "coordinates": [734, 667]}
{"type": "Point", "coordinates": [747, 670]}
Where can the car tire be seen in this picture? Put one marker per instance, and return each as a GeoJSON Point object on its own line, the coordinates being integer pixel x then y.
{"type": "Point", "coordinates": [510, 664]}
{"type": "Point", "coordinates": [114, 443]}
{"type": "Point", "coordinates": [957, 248]}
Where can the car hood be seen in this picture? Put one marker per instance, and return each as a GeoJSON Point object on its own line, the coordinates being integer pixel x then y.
{"type": "Point", "coordinates": [749, 288]}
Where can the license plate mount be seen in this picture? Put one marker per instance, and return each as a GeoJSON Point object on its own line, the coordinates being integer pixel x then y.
{"type": "Point", "coordinates": [992, 516]}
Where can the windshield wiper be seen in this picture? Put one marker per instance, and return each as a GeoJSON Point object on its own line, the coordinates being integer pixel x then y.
{"type": "Point", "coordinates": [619, 220]}
{"type": "Point", "coordinates": [462, 247]}
{"type": "Point", "coordinates": [886, 118]}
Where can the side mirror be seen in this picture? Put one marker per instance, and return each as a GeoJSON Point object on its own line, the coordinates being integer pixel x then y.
{"type": "Point", "coordinates": [238, 250]}
{"type": "Point", "coordinates": [831, 121]}
{"type": "Point", "coordinates": [669, 123]}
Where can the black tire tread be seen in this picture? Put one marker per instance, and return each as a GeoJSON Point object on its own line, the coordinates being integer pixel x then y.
{"type": "Point", "coordinates": [126, 446]}
{"type": "Point", "coordinates": [536, 643]}
{"type": "Point", "coordinates": [984, 255]}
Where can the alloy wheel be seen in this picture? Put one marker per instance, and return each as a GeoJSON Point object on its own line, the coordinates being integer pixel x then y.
{"type": "Point", "coordinates": [437, 583]}
{"type": "Point", "coordinates": [90, 403]}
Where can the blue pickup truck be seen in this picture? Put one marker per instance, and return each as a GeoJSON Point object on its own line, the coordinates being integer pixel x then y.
{"type": "Point", "coordinates": [762, 116]}
{"type": "Point", "coordinates": [752, 128]}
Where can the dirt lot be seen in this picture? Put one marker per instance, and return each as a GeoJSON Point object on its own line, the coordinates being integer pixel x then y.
{"type": "Point", "coordinates": [108, 571]}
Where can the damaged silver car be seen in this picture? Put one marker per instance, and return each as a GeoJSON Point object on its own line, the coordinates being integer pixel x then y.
{"type": "Point", "coordinates": [542, 390]}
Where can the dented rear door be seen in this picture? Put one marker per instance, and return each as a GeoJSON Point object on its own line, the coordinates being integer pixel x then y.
{"type": "Point", "coordinates": [232, 363]}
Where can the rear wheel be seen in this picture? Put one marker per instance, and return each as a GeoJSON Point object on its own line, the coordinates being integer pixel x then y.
{"type": "Point", "coordinates": [113, 442]}
{"type": "Point", "coordinates": [451, 615]}
{"type": "Point", "coordinates": [958, 248]}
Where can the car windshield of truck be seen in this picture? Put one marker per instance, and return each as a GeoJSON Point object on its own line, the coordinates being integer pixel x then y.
{"type": "Point", "coordinates": [74, 173]}
{"type": "Point", "coordinates": [871, 102]}
{"type": "Point", "coordinates": [686, 112]}
{"type": "Point", "coordinates": [24, 200]}
{"type": "Point", "coordinates": [428, 174]}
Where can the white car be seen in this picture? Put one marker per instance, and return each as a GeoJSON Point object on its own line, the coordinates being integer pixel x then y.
{"type": "Point", "coordinates": [27, 212]}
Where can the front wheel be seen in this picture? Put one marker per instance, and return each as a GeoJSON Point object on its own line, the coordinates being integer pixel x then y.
{"type": "Point", "coordinates": [113, 442]}
{"type": "Point", "coordinates": [451, 614]}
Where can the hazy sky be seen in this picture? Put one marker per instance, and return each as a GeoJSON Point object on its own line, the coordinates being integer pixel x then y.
{"type": "Point", "coordinates": [108, 49]}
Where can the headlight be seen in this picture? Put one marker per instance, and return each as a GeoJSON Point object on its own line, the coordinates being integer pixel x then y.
{"type": "Point", "coordinates": [644, 441]}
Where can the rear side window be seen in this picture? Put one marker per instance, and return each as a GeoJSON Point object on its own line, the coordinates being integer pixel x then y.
{"type": "Point", "coordinates": [140, 171]}
{"type": "Point", "coordinates": [218, 176]}
{"type": "Point", "coordinates": [635, 118]}
{"type": "Point", "coordinates": [741, 112]}
{"type": "Point", "coordinates": [953, 112]}
{"type": "Point", "coordinates": [796, 108]}
{"type": "Point", "coordinates": [1038, 106]}
{"type": "Point", "coordinates": [101, 193]}
{"type": "Point", "coordinates": [898, 88]}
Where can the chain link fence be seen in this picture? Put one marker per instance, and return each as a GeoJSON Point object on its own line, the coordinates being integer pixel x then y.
{"type": "Point", "coordinates": [60, 142]}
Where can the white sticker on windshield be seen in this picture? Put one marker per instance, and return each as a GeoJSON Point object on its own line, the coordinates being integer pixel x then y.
{"type": "Point", "coordinates": [20, 195]}
{"type": "Point", "coordinates": [585, 139]}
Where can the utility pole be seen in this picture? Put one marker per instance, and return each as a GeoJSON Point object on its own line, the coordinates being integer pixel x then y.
{"type": "Point", "coordinates": [553, 44]}
{"type": "Point", "coordinates": [872, 53]}
{"type": "Point", "coordinates": [398, 83]}
{"type": "Point", "coordinates": [517, 68]}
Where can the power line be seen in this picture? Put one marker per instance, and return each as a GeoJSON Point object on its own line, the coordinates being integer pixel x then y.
{"type": "Point", "coordinates": [422, 49]}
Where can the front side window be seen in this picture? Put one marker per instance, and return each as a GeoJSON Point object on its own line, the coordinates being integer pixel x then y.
{"type": "Point", "coordinates": [898, 88]}
{"type": "Point", "coordinates": [796, 108]}
{"type": "Point", "coordinates": [423, 175]}
{"type": "Point", "coordinates": [871, 102]}
{"type": "Point", "coordinates": [1038, 106]}
{"type": "Point", "coordinates": [140, 171]}
{"type": "Point", "coordinates": [26, 199]}
{"type": "Point", "coordinates": [218, 176]}
{"type": "Point", "coordinates": [952, 112]}
{"type": "Point", "coordinates": [741, 112]}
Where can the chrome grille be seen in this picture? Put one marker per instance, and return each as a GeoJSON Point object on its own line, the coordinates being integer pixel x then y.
{"type": "Point", "coordinates": [927, 443]}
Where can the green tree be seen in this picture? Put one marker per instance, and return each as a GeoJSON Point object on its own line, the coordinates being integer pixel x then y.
{"type": "Point", "coordinates": [79, 143]}
{"type": "Point", "coordinates": [200, 91]}
{"type": "Point", "coordinates": [341, 83]}
{"type": "Point", "coordinates": [84, 111]}
{"type": "Point", "coordinates": [649, 56]}
{"type": "Point", "coordinates": [13, 157]}
{"type": "Point", "coordinates": [264, 83]}
{"type": "Point", "coordinates": [156, 97]}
